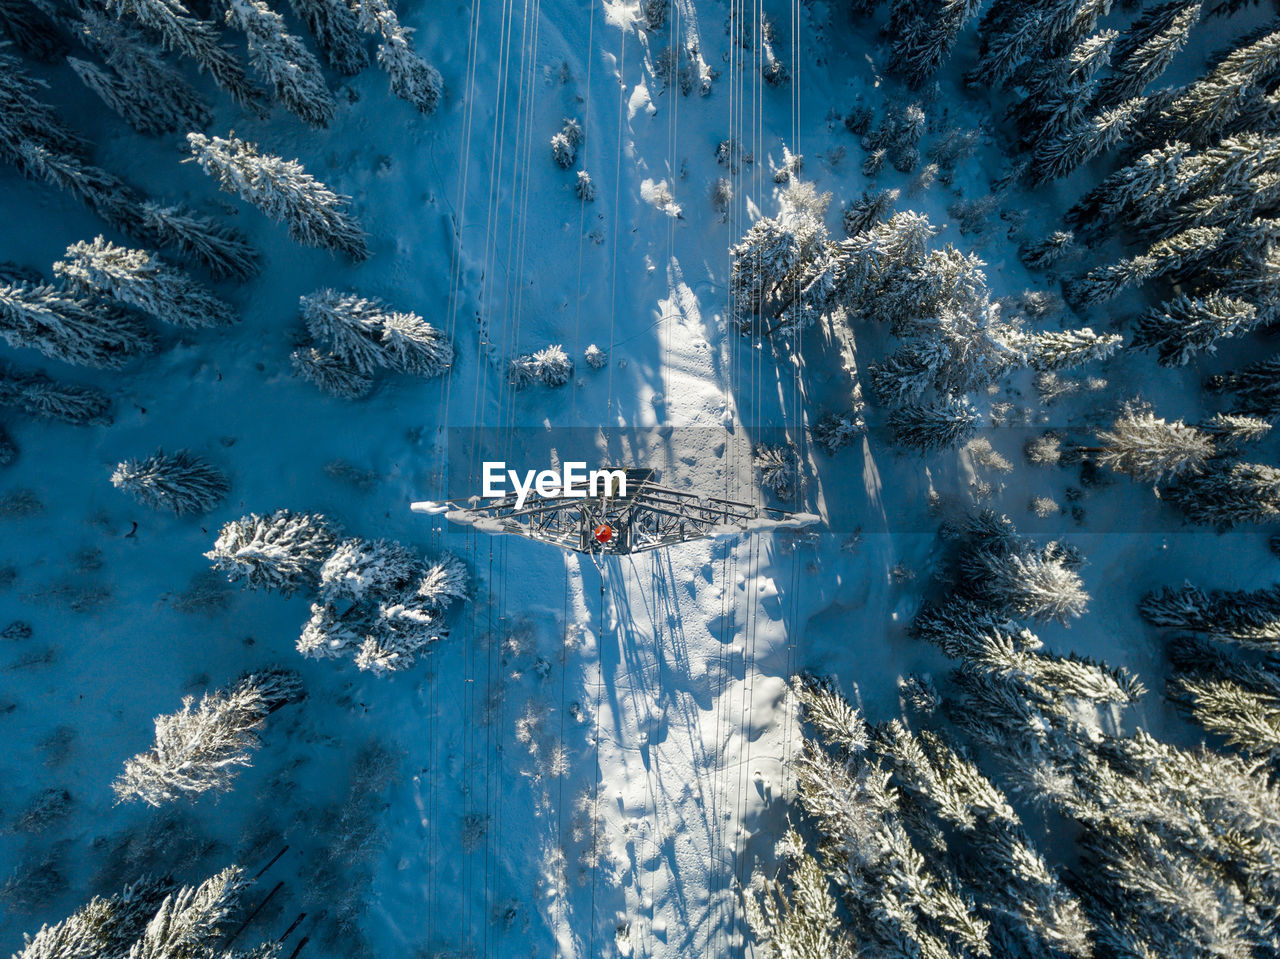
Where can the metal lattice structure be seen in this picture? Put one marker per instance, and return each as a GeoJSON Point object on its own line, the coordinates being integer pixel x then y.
{"type": "Point", "coordinates": [649, 516]}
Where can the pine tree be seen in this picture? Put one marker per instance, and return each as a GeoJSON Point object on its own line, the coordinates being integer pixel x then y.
{"type": "Point", "coordinates": [550, 366]}
{"type": "Point", "coordinates": [1229, 494]}
{"type": "Point", "coordinates": [1017, 577]}
{"type": "Point", "coordinates": [412, 78]}
{"type": "Point", "coordinates": [117, 95]}
{"type": "Point", "coordinates": [804, 924]}
{"type": "Point", "coordinates": [834, 431]}
{"type": "Point", "coordinates": [198, 40]}
{"type": "Point", "coordinates": [873, 207]}
{"type": "Point", "coordinates": [159, 99]}
{"type": "Point", "coordinates": [102, 927]}
{"type": "Point", "coordinates": [1176, 255]}
{"type": "Point", "coordinates": [334, 26]}
{"type": "Point", "coordinates": [70, 328]}
{"type": "Point", "coordinates": [1247, 617]}
{"type": "Point", "coordinates": [1145, 51]}
{"type": "Point", "coordinates": [1244, 718]}
{"type": "Point", "coordinates": [1140, 186]}
{"type": "Point", "coordinates": [1043, 254]}
{"type": "Point", "coordinates": [181, 482]}
{"type": "Point", "coordinates": [219, 249]}
{"type": "Point", "coordinates": [1081, 140]}
{"type": "Point", "coordinates": [1204, 108]}
{"type": "Point", "coordinates": [780, 470]}
{"type": "Point", "coordinates": [331, 374]}
{"type": "Point", "coordinates": [898, 902]}
{"type": "Point", "coordinates": [1069, 348]}
{"type": "Point", "coordinates": [1257, 388]}
{"type": "Point", "coordinates": [1152, 450]}
{"type": "Point", "coordinates": [150, 919]}
{"type": "Point", "coordinates": [1186, 325]}
{"type": "Point", "coordinates": [926, 36]}
{"type": "Point", "coordinates": [934, 426]}
{"type": "Point", "coordinates": [565, 143]}
{"type": "Point", "coordinates": [284, 191]}
{"type": "Point", "coordinates": [381, 605]}
{"type": "Point", "coordinates": [365, 334]}
{"type": "Point", "coordinates": [38, 395]}
{"type": "Point", "coordinates": [281, 551]}
{"type": "Point", "coordinates": [198, 748]}
{"type": "Point", "coordinates": [281, 59]}
{"type": "Point", "coordinates": [1232, 429]}
{"type": "Point", "coordinates": [138, 279]}
{"type": "Point", "coordinates": [31, 30]}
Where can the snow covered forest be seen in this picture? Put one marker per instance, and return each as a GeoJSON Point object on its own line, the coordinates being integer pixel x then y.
{"type": "Point", "coordinates": [990, 288]}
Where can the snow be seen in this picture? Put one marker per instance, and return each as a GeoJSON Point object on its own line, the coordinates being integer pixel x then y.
{"type": "Point", "coordinates": [660, 676]}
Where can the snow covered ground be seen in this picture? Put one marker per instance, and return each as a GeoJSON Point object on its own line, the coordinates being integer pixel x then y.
{"type": "Point", "coordinates": [593, 763]}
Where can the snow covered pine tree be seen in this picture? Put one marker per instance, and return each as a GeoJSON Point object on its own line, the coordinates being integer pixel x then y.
{"type": "Point", "coordinates": [284, 191]}
{"type": "Point", "coordinates": [199, 748]}
{"type": "Point", "coordinates": [181, 482]}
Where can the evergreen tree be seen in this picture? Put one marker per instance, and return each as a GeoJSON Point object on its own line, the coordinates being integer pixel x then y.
{"type": "Point", "coordinates": [102, 927]}
{"type": "Point", "coordinates": [550, 366]}
{"type": "Point", "coordinates": [1186, 325]}
{"type": "Point", "coordinates": [284, 191]}
{"type": "Point", "coordinates": [934, 426]}
{"type": "Point", "coordinates": [198, 40]}
{"type": "Point", "coordinates": [1015, 577]}
{"type": "Point", "coordinates": [31, 30]}
{"type": "Point", "coordinates": [365, 334]}
{"type": "Point", "coordinates": [281, 59]}
{"type": "Point", "coordinates": [1082, 140]}
{"type": "Point", "coordinates": [38, 395]}
{"type": "Point", "coordinates": [898, 902]}
{"type": "Point", "coordinates": [1147, 48]}
{"type": "Point", "coordinates": [1231, 429]}
{"type": "Point", "coordinates": [785, 271]}
{"type": "Point", "coordinates": [1150, 449]}
{"type": "Point", "coordinates": [834, 431]}
{"type": "Point", "coordinates": [1005, 49]}
{"type": "Point", "coordinates": [565, 143]}
{"type": "Point", "coordinates": [1229, 494]}
{"type": "Point", "coordinates": [926, 34]}
{"type": "Point", "coordinates": [1204, 108]}
{"type": "Point", "coordinates": [1257, 388]}
{"type": "Point", "coordinates": [412, 78]}
{"type": "Point", "coordinates": [138, 279]}
{"type": "Point", "coordinates": [780, 470]}
{"type": "Point", "coordinates": [381, 605]}
{"type": "Point", "coordinates": [117, 95]}
{"type": "Point", "coordinates": [70, 328]}
{"type": "Point", "coordinates": [281, 551]}
{"type": "Point", "coordinates": [334, 26]}
{"type": "Point", "coordinates": [221, 250]}
{"type": "Point", "coordinates": [1069, 348]}
{"type": "Point", "coordinates": [1042, 254]}
{"type": "Point", "coordinates": [198, 748]}
{"type": "Point", "coordinates": [150, 920]}
{"type": "Point", "coordinates": [158, 99]}
{"type": "Point", "coordinates": [804, 924]}
{"type": "Point", "coordinates": [181, 482]}
{"type": "Point", "coordinates": [1140, 185]}
{"type": "Point", "coordinates": [1244, 718]}
{"type": "Point", "coordinates": [871, 208]}
{"type": "Point", "coordinates": [1239, 616]}
{"type": "Point", "coordinates": [1176, 255]}
{"type": "Point", "coordinates": [331, 374]}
